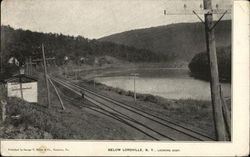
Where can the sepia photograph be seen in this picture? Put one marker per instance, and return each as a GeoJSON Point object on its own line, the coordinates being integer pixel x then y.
{"type": "Point", "coordinates": [116, 70]}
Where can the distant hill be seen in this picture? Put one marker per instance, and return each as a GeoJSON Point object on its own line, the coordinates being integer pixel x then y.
{"type": "Point", "coordinates": [179, 41]}
{"type": "Point", "coordinates": [23, 44]}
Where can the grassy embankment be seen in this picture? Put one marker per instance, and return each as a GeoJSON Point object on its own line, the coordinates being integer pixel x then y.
{"type": "Point", "coordinates": [195, 114]}
{"type": "Point", "coordinates": [39, 122]}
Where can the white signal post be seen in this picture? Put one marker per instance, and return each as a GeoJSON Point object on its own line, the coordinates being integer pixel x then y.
{"type": "Point", "coordinates": [134, 75]}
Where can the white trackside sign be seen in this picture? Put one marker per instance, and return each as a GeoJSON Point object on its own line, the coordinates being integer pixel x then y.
{"type": "Point", "coordinates": [29, 91]}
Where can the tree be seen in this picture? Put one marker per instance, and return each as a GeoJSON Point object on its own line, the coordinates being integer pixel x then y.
{"type": "Point", "coordinates": [199, 65]}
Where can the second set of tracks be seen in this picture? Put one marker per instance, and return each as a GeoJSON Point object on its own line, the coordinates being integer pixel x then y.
{"type": "Point", "coordinates": [156, 128]}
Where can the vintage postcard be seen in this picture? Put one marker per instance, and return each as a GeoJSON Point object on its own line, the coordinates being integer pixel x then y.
{"type": "Point", "coordinates": [124, 78]}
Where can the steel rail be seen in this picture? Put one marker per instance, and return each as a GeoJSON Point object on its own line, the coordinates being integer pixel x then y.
{"type": "Point", "coordinates": [149, 114]}
{"type": "Point", "coordinates": [122, 118]}
{"type": "Point", "coordinates": [99, 110]}
{"type": "Point", "coordinates": [179, 128]}
{"type": "Point", "coordinates": [138, 109]}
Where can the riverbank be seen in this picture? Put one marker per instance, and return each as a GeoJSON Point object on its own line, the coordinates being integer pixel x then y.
{"type": "Point", "coordinates": [194, 114]}
{"type": "Point", "coordinates": [77, 122]}
{"type": "Point", "coordinates": [91, 71]}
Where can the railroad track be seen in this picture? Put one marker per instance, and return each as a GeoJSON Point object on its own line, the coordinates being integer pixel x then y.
{"type": "Point", "coordinates": [152, 126]}
{"type": "Point", "coordinates": [102, 111]}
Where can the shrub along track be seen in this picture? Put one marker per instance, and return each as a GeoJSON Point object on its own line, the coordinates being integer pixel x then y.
{"type": "Point", "coordinates": [144, 122]}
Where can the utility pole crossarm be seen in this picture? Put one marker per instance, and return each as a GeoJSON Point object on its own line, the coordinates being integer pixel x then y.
{"type": "Point", "coordinates": [199, 18]}
{"type": "Point", "coordinates": [207, 11]}
{"type": "Point", "coordinates": [218, 20]}
{"type": "Point", "coordinates": [39, 60]}
{"type": "Point", "coordinates": [199, 11]}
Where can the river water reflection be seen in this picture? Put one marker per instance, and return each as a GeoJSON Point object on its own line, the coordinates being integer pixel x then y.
{"type": "Point", "coordinates": [167, 83]}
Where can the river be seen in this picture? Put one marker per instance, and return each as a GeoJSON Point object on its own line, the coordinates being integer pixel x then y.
{"type": "Point", "coordinates": [167, 83]}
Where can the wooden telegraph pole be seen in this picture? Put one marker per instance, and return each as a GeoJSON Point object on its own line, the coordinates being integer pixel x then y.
{"type": "Point", "coordinates": [46, 76]}
{"type": "Point", "coordinates": [57, 93]}
{"type": "Point", "coordinates": [21, 86]}
{"type": "Point", "coordinates": [219, 120]}
{"type": "Point", "coordinates": [21, 72]}
{"type": "Point", "coordinates": [28, 66]}
{"type": "Point", "coordinates": [214, 83]}
{"type": "Point", "coordinates": [1, 53]}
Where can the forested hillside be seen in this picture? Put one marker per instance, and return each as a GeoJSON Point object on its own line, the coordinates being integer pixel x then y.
{"type": "Point", "coordinates": [199, 65]}
{"type": "Point", "coordinates": [24, 43]}
{"type": "Point", "coordinates": [179, 41]}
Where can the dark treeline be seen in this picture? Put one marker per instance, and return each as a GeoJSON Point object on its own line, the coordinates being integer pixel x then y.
{"type": "Point", "coordinates": [24, 43]}
{"type": "Point", "coordinates": [199, 65]}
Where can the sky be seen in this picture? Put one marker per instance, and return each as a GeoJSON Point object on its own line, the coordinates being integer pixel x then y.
{"type": "Point", "coordinates": [97, 18]}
